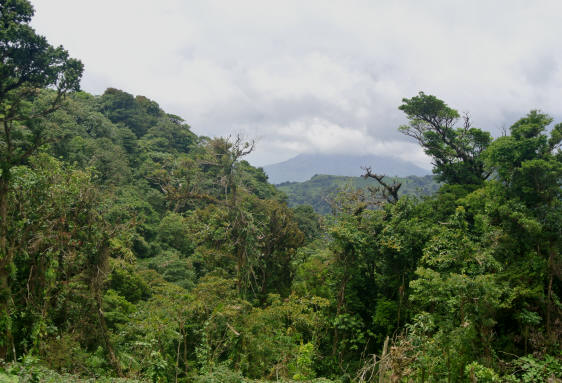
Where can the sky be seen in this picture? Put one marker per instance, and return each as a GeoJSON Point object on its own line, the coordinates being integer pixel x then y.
{"type": "Point", "coordinates": [323, 76]}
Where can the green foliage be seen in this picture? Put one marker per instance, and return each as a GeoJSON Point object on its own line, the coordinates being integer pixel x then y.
{"type": "Point", "coordinates": [221, 374]}
{"type": "Point", "coordinates": [320, 189]}
{"type": "Point", "coordinates": [312, 264]}
{"type": "Point", "coordinates": [479, 373]}
{"type": "Point", "coordinates": [173, 232]}
{"type": "Point", "coordinates": [303, 364]}
{"type": "Point", "coordinates": [456, 152]}
{"type": "Point", "coordinates": [308, 222]}
{"type": "Point", "coordinates": [530, 369]}
{"type": "Point", "coordinates": [138, 114]}
{"type": "Point", "coordinates": [28, 66]}
{"type": "Point", "coordinates": [29, 370]}
{"type": "Point", "coordinates": [124, 281]}
{"type": "Point", "coordinates": [132, 248]}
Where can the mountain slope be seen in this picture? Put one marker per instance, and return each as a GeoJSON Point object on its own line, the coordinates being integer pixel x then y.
{"type": "Point", "coordinates": [304, 166]}
{"type": "Point", "coordinates": [320, 188]}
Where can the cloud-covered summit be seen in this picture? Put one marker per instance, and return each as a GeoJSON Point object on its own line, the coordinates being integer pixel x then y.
{"type": "Point", "coordinates": [316, 76]}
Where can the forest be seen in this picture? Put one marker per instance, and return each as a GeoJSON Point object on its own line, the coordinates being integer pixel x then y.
{"type": "Point", "coordinates": [320, 190]}
{"type": "Point", "coordinates": [133, 250]}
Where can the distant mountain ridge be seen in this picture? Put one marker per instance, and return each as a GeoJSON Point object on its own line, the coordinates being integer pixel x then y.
{"type": "Point", "coordinates": [320, 188]}
{"type": "Point", "coordinates": [304, 166]}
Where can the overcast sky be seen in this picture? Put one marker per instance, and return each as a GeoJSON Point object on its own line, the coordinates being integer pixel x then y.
{"type": "Point", "coordinates": [316, 76]}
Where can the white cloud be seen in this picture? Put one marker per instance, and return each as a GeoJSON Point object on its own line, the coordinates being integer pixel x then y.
{"type": "Point", "coordinates": [316, 75]}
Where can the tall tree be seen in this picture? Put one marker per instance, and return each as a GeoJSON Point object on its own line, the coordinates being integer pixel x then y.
{"type": "Point", "coordinates": [528, 164]}
{"type": "Point", "coordinates": [28, 65]}
{"type": "Point", "coordinates": [456, 152]}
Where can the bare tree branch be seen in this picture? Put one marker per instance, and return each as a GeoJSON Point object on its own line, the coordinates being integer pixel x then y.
{"type": "Point", "coordinates": [391, 190]}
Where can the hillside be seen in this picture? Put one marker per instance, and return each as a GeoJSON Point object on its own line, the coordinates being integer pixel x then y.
{"type": "Point", "coordinates": [304, 166]}
{"type": "Point", "coordinates": [122, 212]}
{"type": "Point", "coordinates": [320, 188]}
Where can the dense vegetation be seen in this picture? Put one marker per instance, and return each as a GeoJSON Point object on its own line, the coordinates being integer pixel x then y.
{"type": "Point", "coordinates": [320, 190]}
{"type": "Point", "coordinates": [132, 249]}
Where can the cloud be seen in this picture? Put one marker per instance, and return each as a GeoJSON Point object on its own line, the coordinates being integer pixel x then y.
{"type": "Point", "coordinates": [322, 136]}
{"type": "Point", "coordinates": [317, 76]}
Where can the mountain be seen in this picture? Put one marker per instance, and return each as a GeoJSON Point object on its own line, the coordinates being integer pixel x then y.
{"type": "Point", "coordinates": [321, 188]}
{"type": "Point", "coordinates": [304, 166]}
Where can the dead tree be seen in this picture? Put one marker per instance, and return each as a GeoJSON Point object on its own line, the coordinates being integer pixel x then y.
{"type": "Point", "coordinates": [389, 192]}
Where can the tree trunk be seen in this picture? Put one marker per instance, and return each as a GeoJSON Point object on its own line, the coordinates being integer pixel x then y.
{"type": "Point", "coordinates": [340, 305]}
{"type": "Point", "coordinates": [549, 305]}
{"type": "Point", "coordinates": [5, 261]}
{"type": "Point", "coordinates": [382, 361]}
{"type": "Point", "coordinates": [96, 285]}
{"type": "Point", "coordinates": [105, 334]}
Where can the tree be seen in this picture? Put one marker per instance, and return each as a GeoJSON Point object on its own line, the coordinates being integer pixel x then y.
{"type": "Point", "coordinates": [528, 164]}
{"type": "Point", "coordinates": [389, 192]}
{"type": "Point", "coordinates": [308, 222]}
{"type": "Point", "coordinates": [456, 152]}
{"type": "Point", "coordinates": [62, 245]}
{"type": "Point", "coordinates": [137, 113]}
{"type": "Point", "coordinates": [28, 65]}
{"type": "Point", "coordinates": [279, 237]}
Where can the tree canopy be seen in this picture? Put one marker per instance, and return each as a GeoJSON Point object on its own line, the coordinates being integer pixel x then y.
{"type": "Point", "coordinates": [134, 250]}
{"type": "Point", "coordinates": [456, 151]}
